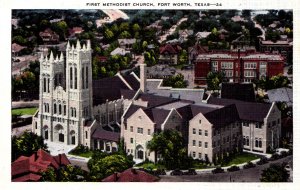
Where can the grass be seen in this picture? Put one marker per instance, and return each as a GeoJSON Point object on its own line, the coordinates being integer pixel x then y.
{"type": "Point", "coordinates": [242, 158]}
{"type": "Point", "coordinates": [84, 154]}
{"type": "Point", "coordinates": [23, 111]}
{"type": "Point", "coordinates": [151, 166]}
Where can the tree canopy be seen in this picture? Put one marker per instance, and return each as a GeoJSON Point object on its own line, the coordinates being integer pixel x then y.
{"type": "Point", "coordinates": [275, 173]}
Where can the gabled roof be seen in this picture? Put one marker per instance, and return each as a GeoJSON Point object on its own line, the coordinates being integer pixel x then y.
{"type": "Point", "coordinates": [251, 111]}
{"type": "Point", "coordinates": [158, 116]}
{"type": "Point", "coordinates": [244, 92]}
{"type": "Point", "coordinates": [171, 49]}
{"type": "Point", "coordinates": [131, 175]}
{"type": "Point", "coordinates": [100, 133]}
{"type": "Point", "coordinates": [154, 100]}
{"type": "Point", "coordinates": [28, 168]}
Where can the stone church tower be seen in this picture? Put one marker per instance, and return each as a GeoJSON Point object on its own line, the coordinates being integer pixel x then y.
{"type": "Point", "coordinates": [65, 105]}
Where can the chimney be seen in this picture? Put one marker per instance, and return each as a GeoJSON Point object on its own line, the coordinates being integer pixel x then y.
{"type": "Point", "coordinates": [142, 77]}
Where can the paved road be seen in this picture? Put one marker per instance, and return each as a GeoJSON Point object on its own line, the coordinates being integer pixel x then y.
{"type": "Point", "coordinates": [171, 30]}
{"type": "Point", "coordinates": [248, 175]}
{"type": "Point", "coordinates": [23, 104]}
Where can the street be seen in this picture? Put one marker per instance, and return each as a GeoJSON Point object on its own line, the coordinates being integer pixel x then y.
{"type": "Point", "coordinates": [244, 175]}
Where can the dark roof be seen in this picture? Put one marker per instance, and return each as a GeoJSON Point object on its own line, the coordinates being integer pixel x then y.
{"type": "Point", "coordinates": [131, 110]}
{"type": "Point", "coordinates": [127, 94]}
{"type": "Point", "coordinates": [222, 116]}
{"type": "Point", "coordinates": [154, 100]}
{"type": "Point", "coordinates": [112, 88]}
{"type": "Point", "coordinates": [244, 92]}
{"type": "Point", "coordinates": [132, 81]}
{"type": "Point", "coordinates": [171, 49]}
{"type": "Point", "coordinates": [190, 111]}
{"type": "Point", "coordinates": [107, 89]}
{"type": "Point", "coordinates": [131, 175]}
{"type": "Point", "coordinates": [158, 116]}
{"type": "Point", "coordinates": [100, 133]}
{"type": "Point", "coordinates": [247, 110]}
{"type": "Point", "coordinates": [27, 177]}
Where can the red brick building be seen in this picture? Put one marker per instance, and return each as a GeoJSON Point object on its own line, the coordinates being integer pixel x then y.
{"type": "Point", "coordinates": [238, 65]}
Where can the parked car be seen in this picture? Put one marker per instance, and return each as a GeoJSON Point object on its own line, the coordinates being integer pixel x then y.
{"type": "Point", "coordinates": [233, 168]}
{"type": "Point", "coordinates": [176, 172]}
{"type": "Point", "coordinates": [159, 172]}
{"type": "Point", "coordinates": [249, 165]}
{"type": "Point", "coordinates": [190, 172]}
{"type": "Point", "coordinates": [218, 170]}
{"type": "Point", "coordinates": [262, 161]}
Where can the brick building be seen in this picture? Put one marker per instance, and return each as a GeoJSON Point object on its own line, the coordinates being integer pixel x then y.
{"type": "Point", "coordinates": [238, 65]}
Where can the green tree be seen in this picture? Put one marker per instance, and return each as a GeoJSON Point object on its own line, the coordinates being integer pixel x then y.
{"type": "Point", "coordinates": [169, 144]}
{"type": "Point", "coordinates": [108, 34]}
{"type": "Point", "coordinates": [214, 79]}
{"type": "Point", "coordinates": [176, 81]}
{"type": "Point", "coordinates": [136, 27]}
{"type": "Point", "coordinates": [68, 173]}
{"type": "Point", "coordinates": [183, 57]}
{"type": "Point", "coordinates": [27, 144]}
{"type": "Point", "coordinates": [102, 165]}
{"type": "Point", "coordinates": [124, 26]}
{"type": "Point", "coordinates": [275, 173]}
{"type": "Point", "coordinates": [125, 34]}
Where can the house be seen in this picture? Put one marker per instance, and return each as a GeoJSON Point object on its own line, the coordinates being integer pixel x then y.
{"type": "Point", "coordinates": [169, 54]}
{"type": "Point", "coordinates": [238, 18]}
{"type": "Point", "coordinates": [131, 175]}
{"type": "Point", "coordinates": [75, 31]}
{"type": "Point", "coordinates": [48, 36]}
{"type": "Point", "coordinates": [238, 91]}
{"type": "Point", "coordinates": [202, 35]}
{"type": "Point", "coordinates": [238, 65]}
{"type": "Point", "coordinates": [29, 168]}
{"type": "Point", "coordinates": [184, 34]}
{"type": "Point", "coordinates": [195, 50]}
{"type": "Point", "coordinates": [160, 72]}
{"type": "Point", "coordinates": [119, 51]}
{"type": "Point", "coordinates": [261, 123]}
{"type": "Point", "coordinates": [284, 95]}
{"type": "Point", "coordinates": [16, 48]}
{"type": "Point", "coordinates": [282, 47]}
{"type": "Point", "coordinates": [127, 43]}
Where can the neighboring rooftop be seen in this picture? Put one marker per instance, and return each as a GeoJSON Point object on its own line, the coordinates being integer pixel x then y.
{"type": "Point", "coordinates": [100, 133]}
{"type": "Point", "coordinates": [281, 95]}
{"type": "Point", "coordinates": [131, 175]}
{"type": "Point", "coordinates": [243, 91]}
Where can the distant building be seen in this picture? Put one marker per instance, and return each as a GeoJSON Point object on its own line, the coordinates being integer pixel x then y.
{"type": "Point", "coordinates": [16, 48]}
{"type": "Point", "coordinates": [184, 34]}
{"type": "Point", "coordinates": [127, 43]}
{"type": "Point", "coordinates": [169, 54]}
{"type": "Point", "coordinates": [48, 36]}
{"type": "Point", "coordinates": [29, 168]}
{"type": "Point", "coordinates": [238, 65]}
{"type": "Point", "coordinates": [119, 51]}
{"type": "Point", "coordinates": [131, 175]}
{"type": "Point", "coordinates": [75, 31]}
{"type": "Point", "coordinates": [283, 47]}
{"type": "Point", "coordinates": [160, 71]}
{"type": "Point", "coordinates": [195, 50]}
{"type": "Point", "coordinates": [202, 35]}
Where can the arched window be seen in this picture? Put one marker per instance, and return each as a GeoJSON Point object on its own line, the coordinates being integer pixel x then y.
{"type": "Point", "coordinates": [75, 75]}
{"type": "Point", "coordinates": [86, 78]}
{"type": "Point", "coordinates": [71, 112]}
{"type": "Point", "coordinates": [48, 85]}
{"type": "Point", "coordinates": [65, 109]}
{"type": "Point", "coordinates": [259, 143]}
{"type": "Point", "coordinates": [54, 108]}
{"type": "Point", "coordinates": [71, 77]}
{"type": "Point", "coordinates": [86, 134]}
{"type": "Point", "coordinates": [82, 78]}
{"type": "Point", "coordinates": [45, 107]}
{"type": "Point", "coordinates": [74, 112]}
{"type": "Point", "coordinates": [45, 85]}
{"type": "Point", "coordinates": [59, 109]}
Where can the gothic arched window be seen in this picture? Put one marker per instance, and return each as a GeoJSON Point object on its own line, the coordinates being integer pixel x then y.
{"type": "Point", "coordinates": [71, 77]}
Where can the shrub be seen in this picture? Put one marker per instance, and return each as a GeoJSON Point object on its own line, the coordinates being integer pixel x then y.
{"type": "Point", "coordinates": [218, 170]}
{"type": "Point", "coordinates": [233, 168]}
{"type": "Point", "coordinates": [249, 165]}
{"type": "Point", "coordinates": [275, 156]}
{"type": "Point", "coordinates": [80, 149]}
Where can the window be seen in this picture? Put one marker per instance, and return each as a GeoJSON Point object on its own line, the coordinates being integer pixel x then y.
{"type": "Point", "coordinates": [199, 121]}
{"type": "Point", "coordinates": [59, 109]}
{"type": "Point", "coordinates": [206, 133]}
{"type": "Point", "coordinates": [259, 142]}
{"type": "Point", "coordinates": [75, 75]}
{"type": "Point", "coordinates": [35, 125]}
{"type": "Point", "coordinates": [140, 130]}
{"type": "Point", "coordinates": [250, 65]}
{"type": "Point", "coordinates": [149, 131]}
{"type": "Point", "coordinates": [54, 107]}
{"type": "Point", "coordinates": [131, 128]}
{"type": "Point", "coordinates": [246, 124]}
{"type": "Point", "coordinates": [74, 112]}
{"type": "Point", "coordinates": [258, 125]}
{"type": "Point", "coordinates": [45, 85]}
{"type": "Point", "coordinates": [86, 134]}
{"type": "Point", "coordinates": [131, 140]}
{"type": "Point", "coordinates": [200, 131]}
{"type": "Point", "coordinates": [194, 143]}
{"type": "Point", "coordinates": [247, 141]}
{"type": "Point", "coordinates": [194, 154]}
{"type": "Point", "coordinates": [82, 78]}
{"type": "Point", "coordinates": [125, 127]}
{"type": "Point", "coordinates": [86, 77]}
{"type": "Point", "coordinates": [226, 65]}
{"type": "Point", "coordinates": [48, 85]}
{"type": "Point", "coordinates": [200, 155]}
{"type": "Point", "coordinates": [206, 144]}
{"type": "Point", "coordinates": [194, 131]}
{"type": "Point", "coordinates": [71, 77]}
{"type": "Point", "coordinates": [278, 121]}
{"type": "Point", "coordinates": [200, 143]}
{"type": "Point", "coordinates": [65, 109]}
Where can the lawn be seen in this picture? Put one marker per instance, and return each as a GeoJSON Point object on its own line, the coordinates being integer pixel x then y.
{"type": "Point", "coordinates": [23, 111]}
{"type": "Point", "coordinates": [84, 154]}
{"type": "Point", "coordinates": [242, 158]}
{"type": "Point", "coordinates": [151, 166]}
